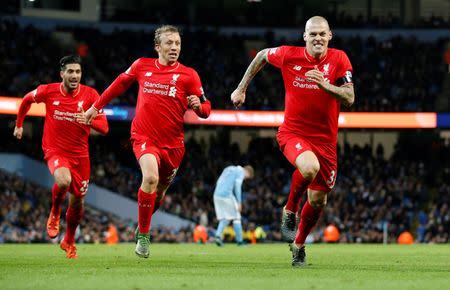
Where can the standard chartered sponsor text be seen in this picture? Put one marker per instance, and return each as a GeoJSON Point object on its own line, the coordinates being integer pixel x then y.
{"type": "Point", "coordinates": [156, 88]}
{"type": "Point", "coordinates": [305, 85]}
{"type": "Point", "coordinates": [302, 83]}
{"type": "Point", "coordinates": [67, 116]}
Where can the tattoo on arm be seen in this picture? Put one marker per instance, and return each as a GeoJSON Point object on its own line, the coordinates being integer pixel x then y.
{"type": "Point", "coordinates": [255, 66]}
{"type": "Point", "coordinates": [345, 93]}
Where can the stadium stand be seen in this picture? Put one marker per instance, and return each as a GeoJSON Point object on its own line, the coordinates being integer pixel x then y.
{"type": "Point", "coordinates": [371, 190]}
{"type": "Point", "coordinates": [25, 208]}
{"type": "Point", "coordinates": [30, 54]}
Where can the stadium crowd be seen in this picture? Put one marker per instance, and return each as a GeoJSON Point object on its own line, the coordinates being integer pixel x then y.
{"type": "Point", "coordinates": [371, 190]}
{"type": "Point", "coordinates": [30, 55]}
{"type": "Point", "coordinates": [25, 208]}
{"type": "Point", "coordinates": [252, 14]}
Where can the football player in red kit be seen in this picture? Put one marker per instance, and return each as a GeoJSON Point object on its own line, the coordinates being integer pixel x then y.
{"type": "Point", "coordinates": [166, 90]}
{"type": "Point", "coordinates": [65, 143]}
{"type": "Point", "coordinates": [317, 79]}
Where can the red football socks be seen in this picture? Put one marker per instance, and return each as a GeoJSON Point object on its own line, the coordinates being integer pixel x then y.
{"type": "Point", "coordinates": [73, 219]}
{"type": "Point", "coordinates": [58, 197]}
{"type": "Point", "coordinates": [308, 220]}
{"type": "Point", "coordinates": [146, 203]}
{"type": "Point", "coordinates": [298, 186]}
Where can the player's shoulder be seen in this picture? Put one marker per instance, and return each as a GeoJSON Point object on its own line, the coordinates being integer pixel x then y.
{"type": "Point", "coordinates": [187, 70]}
{"type": "Point", "coordinates": [49, 88]}
{"type": "Point", "coordinates": [87, 89]}
{"type": "Point", "coordinates": [145, 61]}
{"type": "Point", "coordinates": [337, 53]}
{"type": "Point", "coordinates": [287, 49]}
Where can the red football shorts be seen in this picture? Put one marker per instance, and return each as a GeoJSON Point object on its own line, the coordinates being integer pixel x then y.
{"type": "Point", "coordinates": [293, 145]}
{"type": "Point", "coordinates": [169, 159]}
{"type": "Point", "coordinates": [79, 168]}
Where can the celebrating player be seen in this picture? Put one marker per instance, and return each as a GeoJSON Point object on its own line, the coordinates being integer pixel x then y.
{"type": "Point", "coordinates": [166, 90]}
{"type": "Point", "coordinates": [317, 79]}
{"type": "Point", "coordinates": [228, 200]}
{"type": "Point", "coordinates": [65, 143]}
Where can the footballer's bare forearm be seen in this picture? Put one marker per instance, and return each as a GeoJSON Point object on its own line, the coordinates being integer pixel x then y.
{"type": "Point", "coordinates": [345, 93]}
{"type": "Point", "coordinates": [255, 66]}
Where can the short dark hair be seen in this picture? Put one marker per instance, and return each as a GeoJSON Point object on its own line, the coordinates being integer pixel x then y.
{"type": "Point", "coordinates": [68, 59]}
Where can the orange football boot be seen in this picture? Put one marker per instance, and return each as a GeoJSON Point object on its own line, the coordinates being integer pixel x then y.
{"type": "Point", "coordinates": [70, 249]}
{"type": "Point", "coordinates": [53, 224]}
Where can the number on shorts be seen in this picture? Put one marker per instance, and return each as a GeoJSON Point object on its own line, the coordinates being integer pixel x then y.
{"type": "Point", "coordinates": [84, 185]}
{"type": "Point", "coordinates": [172, 176]}
{"type": "Point", "coordinates": [332, 179]}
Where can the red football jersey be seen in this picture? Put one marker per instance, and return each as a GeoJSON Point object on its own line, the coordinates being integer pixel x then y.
{"type": "Point", "coordinates": [162, 100]}
{"type": "Point", "coordinates": [310, 111]}
{"type": "Point", "coordinates": [62, 134]}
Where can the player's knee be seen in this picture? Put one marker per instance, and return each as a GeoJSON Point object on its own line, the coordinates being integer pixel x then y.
{"type": "Point", "coordinates": [150, 180]}
{"type": "Point", "coordinates": [318, 200]}
{"type": "Point", "coordinates": [310, 170]}
{"type": "Point", "coordinates": [63, 181]}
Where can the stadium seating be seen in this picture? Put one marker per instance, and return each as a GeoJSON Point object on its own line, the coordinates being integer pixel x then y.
{"type": "Point", "coordinates": [399, 81]}
{"type": "Point", "coordinates": [370, 190]}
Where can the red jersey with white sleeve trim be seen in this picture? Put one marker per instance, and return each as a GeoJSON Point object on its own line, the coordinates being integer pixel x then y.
{"type": "Point", "coordinates": [310, 111]}
{"type": "Point", "coordinates": [62, 133]}
{"type": "Point", "coordinates": [162, 100]}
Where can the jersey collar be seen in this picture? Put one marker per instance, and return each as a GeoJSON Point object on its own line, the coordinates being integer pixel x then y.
{"type": "Point", "coordinates": [65, 93]}
{"type": "Point", "coordinates": [166, 67]}
{"type": "Point", "coordinates": [311, 59]}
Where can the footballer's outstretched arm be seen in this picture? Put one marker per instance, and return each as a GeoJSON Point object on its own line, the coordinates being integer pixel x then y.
{"type": "Point", "coordinates": [238, 96]}
{"type": "Point", "coordinates": [117, 88]}
{"type": "Point", "coordinates": [100, 124]}
{"type": "Point", "coordinates": [23, 110]}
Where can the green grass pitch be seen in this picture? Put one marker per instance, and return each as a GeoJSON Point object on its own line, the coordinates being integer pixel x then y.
{"type": "Point", "coordinates": [207, 267]}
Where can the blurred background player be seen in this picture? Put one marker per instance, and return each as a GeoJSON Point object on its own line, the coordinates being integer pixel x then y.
{"type": "Point", "coordinates": [316, 80]}
{"type": "Point", "coordinates": [65, 143]}
{"type": "Point", "coordinates": [166, 90]}
{"type": "Point", "coordinates": [228, 200]}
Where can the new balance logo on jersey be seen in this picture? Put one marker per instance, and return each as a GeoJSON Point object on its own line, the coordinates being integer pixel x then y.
{"type": "Point", "coordinates": [297, 67]}
{"type": "Point", "coordinates": [80, 105]}
{"type": "Point", "coordinates": [143, 146]}
{"type": "Point", "coordinates": [55, 103]}
{"type": "Point", "coordinates": [273, 50]}
{"type": "Point", "coordinates": [56, 162]}
{"type": "Point", "coordinates": [148, 74]}
{"type": "Point", "coordinates": [174, 79]}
